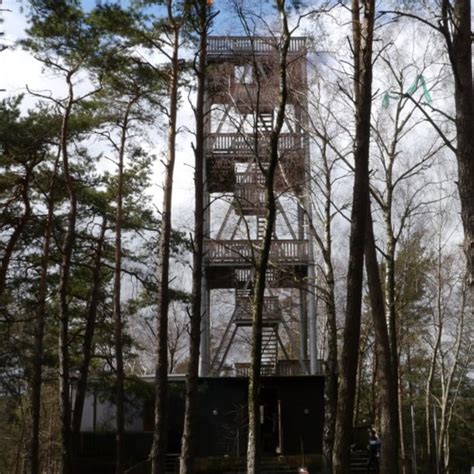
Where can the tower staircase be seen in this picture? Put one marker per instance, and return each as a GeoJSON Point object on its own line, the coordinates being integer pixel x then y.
{"type": "Point", "coordinates": [269, 349]}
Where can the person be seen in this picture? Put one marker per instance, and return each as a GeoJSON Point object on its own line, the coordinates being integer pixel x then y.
{"type": "Point", "coordinates": [374, 451]}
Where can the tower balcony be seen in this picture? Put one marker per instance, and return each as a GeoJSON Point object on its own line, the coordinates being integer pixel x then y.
{"type": "Point", "coordinates": [230, 46]}
{"type": "Point", "coordinates": [242, 146]}
{"type": "Point", "coordinates": [246, 252]}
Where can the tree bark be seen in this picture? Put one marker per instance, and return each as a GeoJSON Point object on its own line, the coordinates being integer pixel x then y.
{"type": "Point", "coordinates": [190, 414]}
{"type": "Point", "coordinates": [460, 54]}
{"type": "Point", "coordinates": [38, 351]}
{"type": "Point", "coordinates": [387, 393]}
{"type": "Point", "coordinates": [117, 307]}
{"type": "Point", "coordinates": [362, 38]}
{"type": "Point", "coordinates": [330, 386]}
{"type": "Point", "coordinates": [253, 443]}
{"type": "Point", "coordinates": [63, 289]}
{"type": "Point", "coordinates": [160, 433]}
{"type": "Point", "coordinates": [87, 345]}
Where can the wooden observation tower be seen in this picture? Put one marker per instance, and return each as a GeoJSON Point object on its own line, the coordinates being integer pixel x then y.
{"type": "Point", "coordinates": [241, 100]}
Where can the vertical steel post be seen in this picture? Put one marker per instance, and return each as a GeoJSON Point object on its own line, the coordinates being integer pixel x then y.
{"type": "Point", "coordinates": [205, 349]}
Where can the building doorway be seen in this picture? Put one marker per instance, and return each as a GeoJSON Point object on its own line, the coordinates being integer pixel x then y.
{"type": "Point", "coordinates": [270, 421]}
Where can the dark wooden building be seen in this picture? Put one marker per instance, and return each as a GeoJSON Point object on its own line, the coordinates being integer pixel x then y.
{"type": "Point", "coordinates": [291, 416]}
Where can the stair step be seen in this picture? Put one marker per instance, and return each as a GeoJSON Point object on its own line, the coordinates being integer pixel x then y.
{"type": "Point", "coordinates": [359, 461]}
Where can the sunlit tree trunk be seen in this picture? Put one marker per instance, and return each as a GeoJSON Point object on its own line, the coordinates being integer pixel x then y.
{"type": "Point", "coordinates": [253, 443]}
{"type": "Point", "coordinates": [160, 433]}
{"type": "Point", "coordinates": [362, 45]}
{"type": "Point", "coordinates": [37, 380]}
{"type": "Point", "coordinates": [387, 393]}
{"type": "Point", "coordinates": [203, 18]}
{"type": "Point", "coordinates": [87, 345]}
{"type": "Point", "coordinates": [63, 288]}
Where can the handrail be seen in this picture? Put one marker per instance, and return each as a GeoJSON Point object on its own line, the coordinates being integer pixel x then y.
{"type": "Point", "coordinates": [223, 143]}
{"type": "Point", "coordinates": [243, 251]}
{"type": "Point", "coordinates": [271, 308]}
{"type": "Point", "coordinates": [254, 44]}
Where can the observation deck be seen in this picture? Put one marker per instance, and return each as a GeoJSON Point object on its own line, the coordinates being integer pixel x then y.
{"type": "Point", "coordinates": [244, 252]}
{"type": "Point", "coordinates": [232, 46]}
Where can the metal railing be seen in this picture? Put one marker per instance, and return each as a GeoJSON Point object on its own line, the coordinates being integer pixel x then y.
{"type": "Point", "coordinates": [285, 368]}
{"type": "Point", "coordinates": [232, 143]}
{"type": "Point", "coordinates": [271, 308]}
{"type": "Point", "coordinates": [244, 251]}
{"type": "Point", "coordinates": [218, 45]}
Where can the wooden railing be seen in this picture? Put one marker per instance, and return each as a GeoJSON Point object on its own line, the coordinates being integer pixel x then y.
{"type": "Point", "coordinates": [232, 143]}
{"type": "Point", "coordinates": [271, 308]}
{"type": "Point", "coordinates": [242, 369]}
{"type": "Point", "coordinates": [243, 275]}
{"type": "Point", "coordinates": [252, 178]}
{"type": "Point", "coordinates": [249, 196]}
{"type": "Point", "coordinates": [244, 251]}
{"type": "Point", "coordinates": [283, 368]}
{"type": "Point", "coordinates": [221, 45]}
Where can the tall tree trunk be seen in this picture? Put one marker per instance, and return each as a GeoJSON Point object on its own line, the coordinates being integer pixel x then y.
{"type": "Point", "coordinates": [390, 252]}
{"type": "Point", "coordinates": [117, 307]}
{"type": "Point", "coordinates": [253, 443]}
{"type": "Point", "coordinates": [190, 413]}
{"type": "Point", "coordinates": [330, 386]}
{"type": "Point", "coordinates": [362, 38]}
{"type": "Point", "coordinates": [460, 53]}
{"type": "Point", "coordinates": [38, 350]}
{"type": "Point", "coordinates": [387, 394]}
{"type": "Point", "coordinates": [437, 323]}
{"type": "Point", "coordinates": [63, 289]}
{"type": "Point", "coordinates": [87, 345]}
{"type": "Point", "coordinates": [160, 433]}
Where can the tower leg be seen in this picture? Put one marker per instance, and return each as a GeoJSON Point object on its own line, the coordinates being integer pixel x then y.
{"type": "Point", "coordinates": [303, 326]}
{"type": "Point", "coordinates": [312, 320]}
{"type": "Point", "coordinates": [205, 356]}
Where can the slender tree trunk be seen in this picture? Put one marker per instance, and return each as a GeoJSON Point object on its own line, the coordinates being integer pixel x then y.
{"type": "Point", "coordinates": [387, 394]}
{"type": "Point", "coordinates": [87, 345]}
{"type": "Point", "coordinates": [390, 252]}
{"type": "Point", "coordinates": [63, 289]}
{"type": "Point", "coordinates": [460, 52]}
{"type": "Point", "coordinates": [253, 443]}
{"type": "Point", "coordinates": [117, 306]}
{"type": "Point", "coordinates": [437, 322]}
{"type": "Point", "coordinates": [190, 413]}
{"type": "Point", "coordinates": [449, 392]}
{"type": "Point", "coordinates": [401, 423]}
{"type": "Point", "coordinates": [160, 434]}
{"type": "Point", "coordinates": [38, 351]}
{"type": "Point", "coordinates": [362, 38]}
{"type": "Point", "coordinates": [330, 387]}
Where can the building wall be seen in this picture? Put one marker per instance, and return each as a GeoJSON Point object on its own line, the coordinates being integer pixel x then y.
{"type": "Point", "coordinates": [292, 415]}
